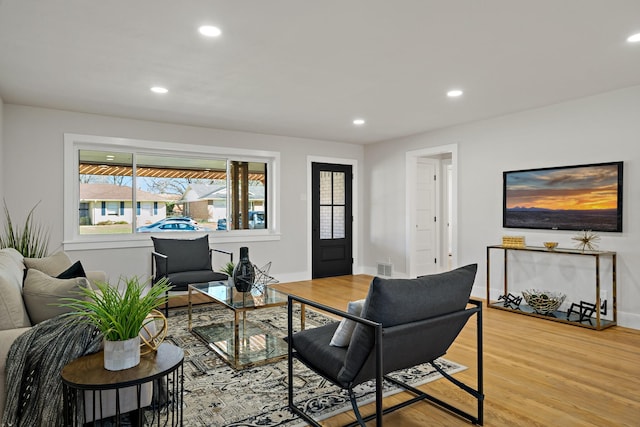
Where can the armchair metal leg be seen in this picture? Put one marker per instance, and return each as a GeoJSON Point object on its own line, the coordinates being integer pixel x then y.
{"type": "Point", "coordinates": [354, 404]}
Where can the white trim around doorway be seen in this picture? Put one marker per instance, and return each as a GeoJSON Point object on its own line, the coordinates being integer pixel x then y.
{"type": "Point", "coordinates": [410, 163]}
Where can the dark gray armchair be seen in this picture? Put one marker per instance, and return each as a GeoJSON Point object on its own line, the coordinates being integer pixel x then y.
{"type": "Point", "coordinates": [404, 322]}
{"type": "Point", "coordinates": [183, 262]}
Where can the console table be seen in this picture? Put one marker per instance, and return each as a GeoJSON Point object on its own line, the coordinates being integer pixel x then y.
{"type": "Point", "coordinates": [577, 318]}
{"type": "Point", "coordinates": [87, 385]}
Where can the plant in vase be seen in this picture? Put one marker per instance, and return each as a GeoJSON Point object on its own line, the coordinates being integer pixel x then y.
{"type": "Point", "coordinates": [228, 270]}
{"type": "Point", "coordinates": [119, 316]}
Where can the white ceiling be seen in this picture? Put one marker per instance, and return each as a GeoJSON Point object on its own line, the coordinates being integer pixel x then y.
{"type": "Point", "coordinates": [308, 68]}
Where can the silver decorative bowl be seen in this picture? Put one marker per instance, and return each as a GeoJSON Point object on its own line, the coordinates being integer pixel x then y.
{"type": "Point", "coordinates": [543, 302]}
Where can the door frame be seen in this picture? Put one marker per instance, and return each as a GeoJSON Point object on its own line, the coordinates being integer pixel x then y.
{"type": "Point", "coordinates": [411, 159]}
{"type": "Point", "coordinates": [354, 204]}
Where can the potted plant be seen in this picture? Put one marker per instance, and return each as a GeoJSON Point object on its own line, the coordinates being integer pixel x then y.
{"type": "Point", "coordinates": [31, 240]}
{"type": "Point", "coordinates": [119, 316]}
{"type": "Point", "coordinates": [228, 270]}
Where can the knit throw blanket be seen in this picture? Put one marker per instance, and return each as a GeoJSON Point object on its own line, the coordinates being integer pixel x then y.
{"type": "Point", "coordinates": [34, 362]}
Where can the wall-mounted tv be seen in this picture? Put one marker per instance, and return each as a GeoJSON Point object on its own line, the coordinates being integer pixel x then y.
{"type": "Point", "coordinates": [581, 197]}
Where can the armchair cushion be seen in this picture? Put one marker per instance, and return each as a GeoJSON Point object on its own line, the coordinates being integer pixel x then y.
{"type": "Point", "coordinates": [182, 255]}
{"type": "Point", "coordinates": [182, 279]}
{"type": "Point", "coordinates": [313, 347]}
{"type": "Point", "coordinates": [399, 301]}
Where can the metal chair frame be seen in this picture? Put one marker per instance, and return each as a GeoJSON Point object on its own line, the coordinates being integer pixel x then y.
{"type": "Point", "coordinates": [477, 393]}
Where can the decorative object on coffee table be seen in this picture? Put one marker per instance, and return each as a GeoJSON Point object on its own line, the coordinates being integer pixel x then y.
{"type": "Point", "coordinates": [152, 337]}
{"type": "Point", "coordinates": [262, 278]}
{"type": "Point", "coordinates": [120, 316]}
{"type": "Point", "coordinates": [228, 270]}
{"type": "Point", "coordinates": [244, 273]}
{"type": "Point", "coordinates": [543, 302]}
{"type": "Point", "coordinates": [586, 240]}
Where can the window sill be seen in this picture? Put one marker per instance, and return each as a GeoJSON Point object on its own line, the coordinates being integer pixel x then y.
{"type": "Point", "coordinates": [144, 240]}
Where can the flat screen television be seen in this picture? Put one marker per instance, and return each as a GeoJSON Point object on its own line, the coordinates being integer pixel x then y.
{"type": "Point", "coordinates": [581, 197]}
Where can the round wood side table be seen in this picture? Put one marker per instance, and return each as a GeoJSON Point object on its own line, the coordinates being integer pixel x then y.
{"type": "Point", "coordinates": [153, 389]}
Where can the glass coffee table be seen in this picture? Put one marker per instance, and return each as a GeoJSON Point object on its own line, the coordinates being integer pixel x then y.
{"type": "Point", "coordinates": [240, 342]}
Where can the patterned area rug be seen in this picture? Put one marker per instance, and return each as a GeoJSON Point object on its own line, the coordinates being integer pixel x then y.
{"type": "Point", "coordinates": [217, 395]}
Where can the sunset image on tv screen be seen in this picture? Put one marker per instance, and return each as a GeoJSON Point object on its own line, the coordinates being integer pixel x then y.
{"type": "Point", "coordinates": [566, 198]}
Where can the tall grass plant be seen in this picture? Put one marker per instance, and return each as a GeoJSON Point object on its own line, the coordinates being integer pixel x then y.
{"type": "Point", "coordinates": [30, 239]}
{"type": "Point", "coordinates": [119, 315]}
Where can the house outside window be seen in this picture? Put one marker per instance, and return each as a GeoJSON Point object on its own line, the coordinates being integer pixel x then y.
{"type": "Point", "coordinates": [221, 193]}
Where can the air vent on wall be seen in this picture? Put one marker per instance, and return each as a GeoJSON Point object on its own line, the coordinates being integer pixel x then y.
{"type": "Point", "coordinates": [385, 269]}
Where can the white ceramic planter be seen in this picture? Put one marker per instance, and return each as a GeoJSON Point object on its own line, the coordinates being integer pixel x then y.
{"type": "Point", "coordinates": [119, 355]}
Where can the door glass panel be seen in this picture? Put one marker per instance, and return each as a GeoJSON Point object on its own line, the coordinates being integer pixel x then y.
{"type": "Point", "coordinates": [325, 188]}
{"type": "Point", "coordinates": [325, 222]}
{"type": "Point", "coordinates": [338, 222]}
{"type": "Point", "coordinates": [338, 188]}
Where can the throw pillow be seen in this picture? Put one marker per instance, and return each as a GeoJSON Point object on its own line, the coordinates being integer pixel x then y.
{"type": "Point", "coordinates": [75, 270]}
{"type": "Point", "coordinates": [51, 265]}
{"type": "Point", "coordinates": [43, 293]}
{"type": "Point", "coordinates": [342, 335]}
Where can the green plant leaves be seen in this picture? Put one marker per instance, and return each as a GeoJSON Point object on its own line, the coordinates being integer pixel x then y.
{"type": "Point", "coordinates": [32, 240]}
{"type": "Point", "coordinates": [119, 315]}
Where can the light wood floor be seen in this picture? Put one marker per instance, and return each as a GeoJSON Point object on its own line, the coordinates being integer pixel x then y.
{"type": "Point", "coordinates": [536, 372]}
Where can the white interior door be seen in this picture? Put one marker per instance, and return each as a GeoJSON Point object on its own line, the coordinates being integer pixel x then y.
{"type": "Point", "coordinates": [426, 216]}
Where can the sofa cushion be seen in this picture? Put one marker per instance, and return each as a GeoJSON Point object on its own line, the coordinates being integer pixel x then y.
{"type": "Point", "coordinates": [183, 254]}
{"type": "Point", "coordinates": [13, 313]}
{"type": "Point", "coordinates": [43, 294]}
{"type": "Point", "coordinates": [51, 265]}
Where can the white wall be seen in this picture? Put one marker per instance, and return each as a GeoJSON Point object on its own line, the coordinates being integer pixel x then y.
{"type": "Point", "coordinates": [596, 129]}
{"type": "Point", "coordinates": [33, 150]}
{"type": "Point", "coordinates": [1, 148]}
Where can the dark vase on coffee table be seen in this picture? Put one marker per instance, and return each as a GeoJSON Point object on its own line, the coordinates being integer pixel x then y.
{"type": "Point", "coordinates": [244, 274]}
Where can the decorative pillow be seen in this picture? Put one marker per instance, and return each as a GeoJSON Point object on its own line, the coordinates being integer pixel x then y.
{"type": "Point", "coordinates": [342, 336]}
{"type": "Point", "coordinates": [74, 271]}
{"type": "Point", "coordinates": [43, 293]}
{"type": "Point", "coordinates": [51, 265]}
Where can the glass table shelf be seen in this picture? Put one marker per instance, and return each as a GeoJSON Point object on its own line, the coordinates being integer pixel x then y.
{"type": "Point", "coordinates": [240, 342]}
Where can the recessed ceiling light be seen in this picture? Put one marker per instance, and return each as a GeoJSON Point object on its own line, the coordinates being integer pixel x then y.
{"type": "Point", "coordinates": [210, 31]}
{"type": "Point", "coordinates": [358, 122]}
{"type": "Point", "coordinates": [454, 93]}
{"type": "Point", "coordinates": [159, 89]}
{"type": "Point", "coordinates": [634, 38]}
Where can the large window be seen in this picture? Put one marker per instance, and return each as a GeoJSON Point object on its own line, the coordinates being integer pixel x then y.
{"type": "Point", "coordinates": [148, 187]}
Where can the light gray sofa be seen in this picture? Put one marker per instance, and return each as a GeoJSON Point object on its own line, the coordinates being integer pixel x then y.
{"type": "Point", "coordinates": [27, 299]}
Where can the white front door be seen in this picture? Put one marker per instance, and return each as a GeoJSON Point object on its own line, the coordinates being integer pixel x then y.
{"type": "Point", "coordinates": [427, 219]}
